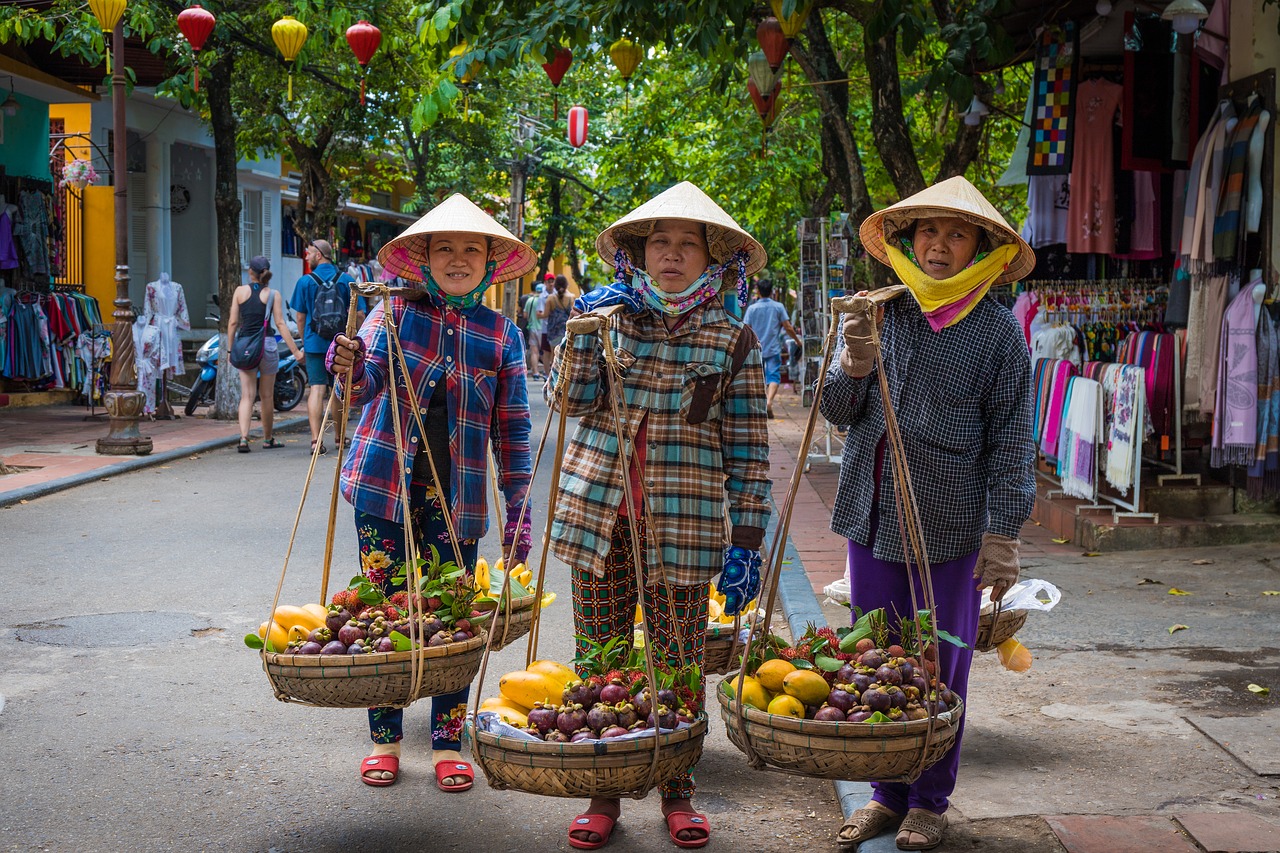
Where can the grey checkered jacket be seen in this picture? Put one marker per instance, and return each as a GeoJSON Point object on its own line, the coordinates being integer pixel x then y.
{"type": "Point", "coordinates": [963, 397]}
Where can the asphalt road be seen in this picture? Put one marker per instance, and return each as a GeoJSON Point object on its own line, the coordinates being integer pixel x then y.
{"type": "Point", "coordinates": [134, 717]}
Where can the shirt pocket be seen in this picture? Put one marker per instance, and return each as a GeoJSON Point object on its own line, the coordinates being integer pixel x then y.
{"type": "Point", "coordinates": [486, 386]}
{"type": "Point", "coordinates": [701, 397]}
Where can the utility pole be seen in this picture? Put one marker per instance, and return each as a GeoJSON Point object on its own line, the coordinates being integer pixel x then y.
{"type": "Point", "coordinates": [519, 174]}
{"type": "Point", "coordinates": [124, 402]}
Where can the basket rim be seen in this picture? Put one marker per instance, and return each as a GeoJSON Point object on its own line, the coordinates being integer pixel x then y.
{"type": "Point", "coordinates": [1005, 614]}
{"type": "Point", "coordinates": [376, 658]}
{"type": "Point", "coordinates": [587, 749]}
{"type": "Point", "coordinates": [910, 728]}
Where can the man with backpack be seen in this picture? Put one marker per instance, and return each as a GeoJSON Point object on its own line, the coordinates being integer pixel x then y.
{"type": "Point", "coordinates": [320, 300]}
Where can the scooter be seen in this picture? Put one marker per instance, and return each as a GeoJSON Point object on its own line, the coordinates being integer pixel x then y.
{"type": "Point", "coordinates": [291, 378]}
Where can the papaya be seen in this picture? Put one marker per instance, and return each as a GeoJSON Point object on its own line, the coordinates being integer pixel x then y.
{"type": "Point", "coordinates": [278, 638]}
{"type": "Point", "coordinates": [807, 686]}
{"type": "Point", "coordinates": [317, 610]}
{"type": "Point", "coordinates": [787, 706]}
{"type": "Point", "coordinates": [518, 717]}
{"type": "Point", "coordinates": [524, 688]}
{"type": "Point", "coordinates": [771, 672]}
{"type": "Point", "coordinates": [288, 615]}
{"type": "Point", "coordinates": [553, 669]}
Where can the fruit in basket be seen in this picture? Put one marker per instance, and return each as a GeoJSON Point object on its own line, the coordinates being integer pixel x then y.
{"type": "Point", "coordinates": [309, 648]}
{"type": "Point", "coordinates": [807, 686]}
{"type": "Point", "coordinates": [581, 693]}
{"type": "Point", "coordinates": [351, 632]}
{"type": "Point", "coordinates": [338, 616]}
{"type": "Point", "coordinates": [614, 692]}
{"type": "Point", "coordinates": [771, 673]}
{"type": "Point", "coordinates": [625, 714]}
{"type": "Point", "coordinates": [542, 717]}
{"type": "Point", "coordinates": [335, 647]}
{"type": "Point", "coordinates": [278, 638]}
{"type": "Point", "coordinates": [556, 736]}
{"type": "Point", "coordinates": [612, 732]}
{"type": "Point", "coordinates": [525, 688]}
{"type": "Point", "coordinates": [876, 699]}
{"type": "Point", "coordinates": [570, 719]}
{"type": "Point", "coordinates": [888, 674]}
{"type": "Point", "coordinates": [508, 712]}
{"type": "Point", "coordinates": [829, 714]}
{"type": "Point", "coordinates": [787, 706]}
{"type": "Point", "coordinates": [841, 698]}
{"type": "Point", "coordinates": [581, 735]}
{"type": "Point", "coordinates": [665, 718]}
{"type": "Point", "coordinates": [642, 702]}
{"type": "Point", "coordinates": [554, 669]}
{"type": "Point", "coordinates": [601, 717]}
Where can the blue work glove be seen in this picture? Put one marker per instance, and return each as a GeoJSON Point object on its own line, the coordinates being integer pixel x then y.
{"type": "Point", "coordinates": [609, 294]}
{"type": "Point", "coordinates": [740, 580]}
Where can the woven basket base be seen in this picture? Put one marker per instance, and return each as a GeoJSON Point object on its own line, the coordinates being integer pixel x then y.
{"type": "Point", "coordinates": [993, 632]}
{"type": "Point", "coordinates": [364, 681]}
{"type": "Point", "coordinates": [854, 752]}
{"type": "Point", "coordinates": [617, 768]}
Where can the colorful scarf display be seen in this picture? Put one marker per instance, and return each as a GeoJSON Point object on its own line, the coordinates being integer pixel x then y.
{"type": "Point", "coordinates": [1228, 233]}
{"type": "Point", "coordinates": [1264, 473]}
{"type": "Point", "coordinates": [1077, 460]}
{"type": "Point", "coordinates": [1053, 376]}
{"type": "Point", "coordinates": [1123, 441]}
{"type": "Point", "coordinates": [1235, 414]}
{"type": "Point", "coordinates": [947, 301]}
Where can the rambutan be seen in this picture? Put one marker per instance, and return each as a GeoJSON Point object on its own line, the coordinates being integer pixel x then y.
{"type": "Point", "coordinates": [400, 599]}
{"type": "Point", "coordinates": [827, 633]}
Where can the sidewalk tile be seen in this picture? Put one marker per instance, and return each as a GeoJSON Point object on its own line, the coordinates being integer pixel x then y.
{"type": "Point", "coordinates": [1231, 832]}
{"type": "Point", "coordinates": [1107, 834]}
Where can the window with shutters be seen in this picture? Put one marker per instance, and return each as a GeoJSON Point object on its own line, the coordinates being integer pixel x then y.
{"type": "Point", "coordinates": [137, 204]}
{"type": "Point", "coordinates": [251, 225]}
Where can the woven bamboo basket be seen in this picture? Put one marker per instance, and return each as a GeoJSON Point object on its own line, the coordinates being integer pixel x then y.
{"type": "Point", "coordinates": [521, 621]}
{"type": "Point", "coordinates": [609, 768]}
{"type": "Point", "coordinates": [993, 631]}
{"type": "Point", "coordinates": [718, 646]}
{"type": "Point", "coordinates": [854, 752]}
{"type": "Point", "coordinates": [363, 681]}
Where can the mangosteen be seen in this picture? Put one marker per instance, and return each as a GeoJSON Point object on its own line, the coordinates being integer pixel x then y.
{"type": "Point", "coordinates": [310, 648]}
{"type": "Point", "coordinates": [581, 693]}
{"type": "Point", "coordinates": [666, 718]}
{"type": "Point", "coordinates": [581, 735]}
{"type": "Point", "coordinates": [828, 714]}
{"type": "Point", "coordinates": [461, 636]}
{"type": "Point", "coordinates": [862, 681]}
{"type": "Point", "coordinates": [613, 693]}
{"type": "Point", "coordinates": [876, 699]}
{"type": "Point", "coordinates": [570, 719]}
{"type": "Point", "coordinates": [543, 717]}
{"type": "Point", "coordinates": [887, 674]}
{"type": "Point", "coordinates": [626, 714]}
{"type": "Point", "coordinates": [601, 717]}
{"type": "Point", "coordinates": [873, 659]}
{"type": "Point", "coordinates": [667, 697]}
{"type": "Point", "coordinates": [440, 638]}
{"type": "Point", "coordinates": [906, 670]}
{"type": "Point", "coordinates": [334, 647]}
{"type": "Point", "coordinates": [858, 716]}
{"type": "Point", "coordinates": [613, 731]}
{"type": "Point", "coordinates": [385, 645]}
{"type": "Point", "coordinates": [917, 713]}
{"type": "Point", "coordinates": [945, 694]}
{"type": "Point", "coordinates": [643, 704]}
{"type": "Point", "coordinates": [919, 683]}
{"type": "Point", "coordinates": [897, 699]}
{"type": "Point", "coordinates": [351, 632]}
{"type": "Point", "coordinates": [357, 648]}
{"type": "Point", "coordinates": [337, 618]}
{"type": "Point", "coordinates": [556, 736]}
{"type": "Point", "coordinates": [845, 674]}
{"type": "Point", "coordinates": [432, 625]}
{"type": "Point", "coordinates": [841, 699]}
{"type": "Point", "coordinates": [320, 635]}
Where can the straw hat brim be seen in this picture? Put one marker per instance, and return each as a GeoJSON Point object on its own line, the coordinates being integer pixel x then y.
{"type": "Point", "coordinates": [406, 254]}
{"type": "Point", "coordinates": [683, 201]}
{"type": "Point", "coordinates": [954, 197]}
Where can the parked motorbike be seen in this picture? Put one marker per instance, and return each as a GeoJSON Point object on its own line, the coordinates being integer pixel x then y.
{"type": "Point", "coordinates": [291, 377]}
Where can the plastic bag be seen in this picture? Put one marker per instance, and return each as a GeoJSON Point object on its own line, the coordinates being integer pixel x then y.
{"type": "Point", "coordinates": [1025, 595]}
{"type": "Point", "coordinates": [838, 590]}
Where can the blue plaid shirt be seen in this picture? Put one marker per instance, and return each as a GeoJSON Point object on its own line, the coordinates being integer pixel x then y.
{"type": "Point", "coordinates": [479, 355]}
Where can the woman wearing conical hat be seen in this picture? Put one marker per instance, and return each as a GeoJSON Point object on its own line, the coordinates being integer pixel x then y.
{"type": "Point", "coordinates": [690, 385]}
{"type": "Point", "coordinates": [466, 363]}
{"type": "Point", "coordinates": [960, 377]}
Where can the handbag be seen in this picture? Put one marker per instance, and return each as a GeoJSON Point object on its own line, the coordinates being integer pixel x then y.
{"type": "Point", "coordinates": [246, 348]}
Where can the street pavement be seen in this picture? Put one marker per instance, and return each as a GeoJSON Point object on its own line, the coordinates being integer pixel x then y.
{"type": "Point", "coordinates": [134, 718]}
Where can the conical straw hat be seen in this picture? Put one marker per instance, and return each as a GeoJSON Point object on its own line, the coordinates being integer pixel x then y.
{"type": "Point", "coordinates": [952, 197]}
{"type": "Point", "coordinates": [683, 201]}
{"type": "Point", "coordinates": [405, 254]}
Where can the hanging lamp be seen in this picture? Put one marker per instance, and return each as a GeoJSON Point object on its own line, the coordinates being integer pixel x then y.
{"type": "Point", "coordinates": [556, 69]}
{"type": "Point", "coordinates": [626, 55]}
{"type": "Point", "coordinates": [108, 13]}
{"type": "Point", "coordinates": [773, 41]}
{"type": "Point", "coordinates": [577, 126]}
{"type": "Point", "coordinates": [363, 38]}
{"type": "Point", "coordinates": [290, 35]}
{"type": "Point", "coordinates": [196, 25]}
{"type": "Point", "coordinates": [793, 23]}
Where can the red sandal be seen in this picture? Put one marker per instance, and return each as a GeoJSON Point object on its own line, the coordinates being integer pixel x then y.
{"type": "Point", "coordinates": [386, 763]}
{"type": "Point", "coordinates": [446, 769]}
{"type": "Point", "coordinates": [601, 824]}
{"type": "Point", "coordinates": [678, 822]}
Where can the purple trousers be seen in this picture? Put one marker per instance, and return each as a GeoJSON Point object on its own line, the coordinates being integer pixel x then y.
{"type": "Point", "coordinates": [875, 583]}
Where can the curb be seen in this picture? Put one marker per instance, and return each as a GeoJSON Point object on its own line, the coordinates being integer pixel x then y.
{"type": "Point", "coordinates": [41, 489]}
{"type": "Point", "coordinates": [800, 605]}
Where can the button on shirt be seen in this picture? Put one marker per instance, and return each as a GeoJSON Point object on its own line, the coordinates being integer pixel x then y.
{"type": "Point", "coordinates": [963, 400]}
{"type": "Point", "coordinates": [487, 402]}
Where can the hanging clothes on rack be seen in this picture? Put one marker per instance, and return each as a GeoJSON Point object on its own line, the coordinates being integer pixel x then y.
{"type": "Point", "coordinates": [1077, 461]}
{"type": "Point", "coordinates": [1264, 473]}
{"type": "Point", "coordinates": [1235, 416]}
{"type": "Point", "coordinates": [1052, 376]}
{"type": "Point", "coordinates": [1092, 217]}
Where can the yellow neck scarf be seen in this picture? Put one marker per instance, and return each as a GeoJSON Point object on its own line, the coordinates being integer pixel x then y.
{"type": "Point", "coordinates": [968, 286]}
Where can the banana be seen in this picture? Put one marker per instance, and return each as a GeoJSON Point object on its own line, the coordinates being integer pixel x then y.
{"type": "Point", "coordinates": [482, 575]}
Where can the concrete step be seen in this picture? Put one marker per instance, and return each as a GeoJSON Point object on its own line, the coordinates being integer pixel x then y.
{"type": "Point", "coordinates": [1099, 534]}
{"type": "Point", "coordinates": [1188, 501]}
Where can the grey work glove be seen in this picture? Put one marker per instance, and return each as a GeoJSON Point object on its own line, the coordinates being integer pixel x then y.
{"type": "Point", "coordinates": [997, 565]}
{"type": "Point", "coordinates": [859, 353]}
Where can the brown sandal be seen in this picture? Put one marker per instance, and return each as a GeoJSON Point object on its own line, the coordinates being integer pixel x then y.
{"type": "Point", "coordinates": [865, 824]}
{"type": "Point", "coordinates": [922, 822]}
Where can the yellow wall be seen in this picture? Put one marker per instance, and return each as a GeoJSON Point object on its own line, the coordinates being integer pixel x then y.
{"type": "Point", "coordinates": [76, 119]}
{"type": "Point", "coordinates": [100, 247]}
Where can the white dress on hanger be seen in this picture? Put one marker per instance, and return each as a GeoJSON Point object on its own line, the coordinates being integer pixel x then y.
{"type": "Point", "coordinates": [165, 308]}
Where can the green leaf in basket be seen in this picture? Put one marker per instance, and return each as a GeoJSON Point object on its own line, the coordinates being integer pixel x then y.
{"type": "Point", "coordinates": [952, 639]}
{"type": "Point", "coordinates": [801, 663]}
{"type": "Point", "coordinates": [485, 602]}
{"type": "Point", "coordinates": [861, 630]}
{"type": "Point", "coordinates": [827, 664]}
{"type": "Point", "coordinates": [400, 642]}
{"type": "Point", "coordinates": [253, 641]}
{"type": "Point", "coordinates": [877, 717]}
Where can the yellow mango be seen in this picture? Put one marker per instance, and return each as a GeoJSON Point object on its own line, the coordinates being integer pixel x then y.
{"type": "Point", "coordinates": [524, 688]}
{"type": "Point", "coordinates": [553, 669]}
{"type": "Point", "coordinates": [278, 639]}
{"type": "Point", "coordinates": [807, 686]}
{"type": "Point", "coordinates": [753, 694]}
{"type": "Point", "coordinates": [288, 615]}
{"type": "Point", "coordinates": [787, 706]}
{"type": "Point", "coordinates": [518, 717]}
{"type": "Point", "coordinates": [771, 673]}
{"type": "Point", "coordinates": [317, 610]}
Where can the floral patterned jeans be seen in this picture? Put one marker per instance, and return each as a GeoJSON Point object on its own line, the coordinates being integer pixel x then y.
{"type": "Point", "coordinates": [382, 556]}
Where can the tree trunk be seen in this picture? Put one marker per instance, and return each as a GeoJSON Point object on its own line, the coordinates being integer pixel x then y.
{"type": "Point", "coordinates": [888, 125]}
{"type": "Point", "coordinates": [553, 227]}
{"type": "Point", "coordinates": [226, 204]}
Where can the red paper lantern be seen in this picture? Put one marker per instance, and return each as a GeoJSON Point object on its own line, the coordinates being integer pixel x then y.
{"type": "Point", "coordinates": [765, 103]}
{"type": "Point", "coordinates": [773, 42]}
{"type": "Point", "coordinates": [577, 126]}
{"type": "Point", "coordinates": [196, 24]}
{"type": "Point", "coordinates": [364, 38]}
{"type": "Point", "coordinates": [555, 69]}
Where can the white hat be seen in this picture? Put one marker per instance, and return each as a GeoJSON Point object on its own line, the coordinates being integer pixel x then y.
{"type": "Point", "coordinates": [954, 197]}
{"type": "Point", "coordinates": [683, 201]}
{"type": "Point", "coordinates": [405, 255]}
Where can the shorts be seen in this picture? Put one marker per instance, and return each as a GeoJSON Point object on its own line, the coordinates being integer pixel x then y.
{"type": "Point", "coordinates": [544, 343]}
{"type": "Point", "coordinates": [773, 369]}
{"type": "Point", "coordinates": [316, 374]}
{"type": "Point", "coordinates": [270, 363]}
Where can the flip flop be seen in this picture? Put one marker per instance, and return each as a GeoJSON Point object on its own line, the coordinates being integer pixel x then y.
{"type": "Point", "coordinates": [601, 824]}
{"type": "Point", "coordinates": [386, 763]}
{"type": "Point", "coordinates": [445, 769]}
{"type": "Point", "coordinates": [678, 822]}
{"type": "Point", "coordinates": [323, 449]}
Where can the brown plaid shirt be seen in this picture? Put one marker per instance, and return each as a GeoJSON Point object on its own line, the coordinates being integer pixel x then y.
{"type": "Point", "coordinates": [707, 434]}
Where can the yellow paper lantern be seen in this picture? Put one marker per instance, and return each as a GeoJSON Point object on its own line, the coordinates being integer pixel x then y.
{"type": "Point", "coordinates": [626, 55]}
{"type": "Point", "coordinates": [108, 13]}
{"type": "Point", "coordinates": [792, 26]}
{"type": "Point", "coordinates": [290, 35]}
{"type": "Point", "coordinates": [472, 71]}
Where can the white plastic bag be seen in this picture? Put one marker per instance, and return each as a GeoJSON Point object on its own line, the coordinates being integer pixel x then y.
{"type": "Point", "coordinates": [1025, 595]}
{"type": "Point", "coordinates": [838, 590]}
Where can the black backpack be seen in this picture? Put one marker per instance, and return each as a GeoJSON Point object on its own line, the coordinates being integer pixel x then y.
{"type": "Point", "coordinates": [328, 312]}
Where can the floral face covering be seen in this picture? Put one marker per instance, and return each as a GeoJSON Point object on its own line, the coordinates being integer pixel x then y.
{"type": "Point", "coordinates": [469, 300]}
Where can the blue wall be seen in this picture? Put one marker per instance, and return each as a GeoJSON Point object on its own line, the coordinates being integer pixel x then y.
{"type": "Point", "coordinates": [25, 152]}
